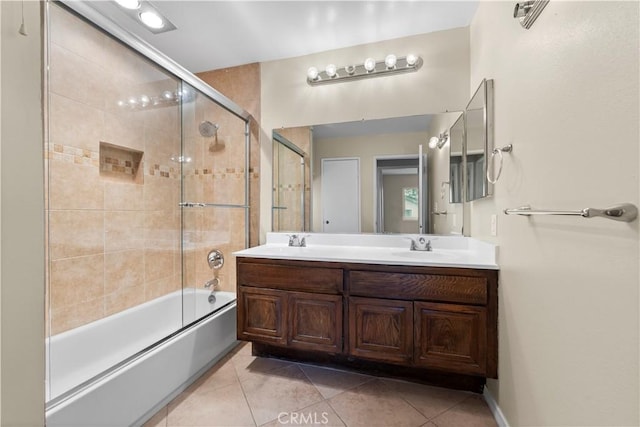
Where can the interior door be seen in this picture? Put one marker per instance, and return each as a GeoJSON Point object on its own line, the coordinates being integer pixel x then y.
{"type": "Point", "coordinates": [340, 195]}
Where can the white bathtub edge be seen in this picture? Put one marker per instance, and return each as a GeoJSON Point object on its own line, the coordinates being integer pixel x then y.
{"type": "Point", "coordinates": [144, 385]}
{"type": "Point", "coordinates": [164, 402]}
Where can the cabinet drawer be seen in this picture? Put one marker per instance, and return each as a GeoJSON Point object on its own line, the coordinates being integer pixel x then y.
{"type": "Point", "coordinates": [431, 287]}
{"type": "Point", "coordinates": [291, 278]}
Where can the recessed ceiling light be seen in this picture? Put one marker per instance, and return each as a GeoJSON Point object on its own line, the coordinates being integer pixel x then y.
{"type": "Point", "coordinates": [151, 19]}
{"type": "Point", "coordinates": [129, 4]}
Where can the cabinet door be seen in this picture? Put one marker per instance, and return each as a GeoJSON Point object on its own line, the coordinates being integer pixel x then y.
{"type": "Point", "coordinates": [451, 337]}
{"type": "Point", "coordinates": [262, 315]}
{"type": "Point", "coordinates": [315, 322]}
{"type": "Point", "coordinates": [381, 329]}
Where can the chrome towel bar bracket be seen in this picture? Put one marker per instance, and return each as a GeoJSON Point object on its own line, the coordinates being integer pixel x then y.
{"type": "Point", "coordinates": [625, 212]}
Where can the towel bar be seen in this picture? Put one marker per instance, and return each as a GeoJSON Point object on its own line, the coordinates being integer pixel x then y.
{"type": "Point", "coordinates": [626, 212]}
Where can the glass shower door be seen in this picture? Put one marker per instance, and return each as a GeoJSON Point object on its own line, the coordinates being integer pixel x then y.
{"type": "Point", "coordinates": [288, 185]}
{"type": "Point", "coordinates": [214, 200]}
{"type": "Point", "coordinates": [113, 222]}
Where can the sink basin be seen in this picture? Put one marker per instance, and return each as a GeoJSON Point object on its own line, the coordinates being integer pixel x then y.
{"type": "Point", "coordinates": [423, 255]}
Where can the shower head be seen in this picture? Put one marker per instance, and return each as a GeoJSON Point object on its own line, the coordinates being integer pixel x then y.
{"type": "Point", "coordinates": [208, 129]}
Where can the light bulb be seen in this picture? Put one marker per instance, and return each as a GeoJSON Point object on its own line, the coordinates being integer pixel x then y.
{"type": "Point", "coordinates": [331, 70]}
{"type": "Point", "coordinates": [144, 99]}
{"type": "Point", "coordinates": [369, 64]}
{"type": "Point", "coordinates": [350, 69]}
{"type": "Point", "coordinates": [312, 73]}
{"type": "Point", "coordinates": [412, 59]}
{"type": "Point", "coordinates": [129, 4]}
{"type": "Point", "coordinates": [167, 94]}
{"type": "Point", "coordinates": [132, 101]}
{"type": "Point", "coordinates": [433, 142]}
{"type": "Point", "coordinates": [151, 19]}
{"type": "Point", "coordinates": [390, 61]}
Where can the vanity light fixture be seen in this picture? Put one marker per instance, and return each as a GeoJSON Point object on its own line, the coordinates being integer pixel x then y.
{"type": "Point", "coordinates": [438, 141]}
{"type": "Point", "coordinates": [369, 68]}
{"type": "Point", "coordinates": [145, 13]}
{"type": "Point", "coordinates": [528, 11]}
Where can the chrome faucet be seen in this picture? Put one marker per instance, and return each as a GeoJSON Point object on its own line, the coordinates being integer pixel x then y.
{"type": "Point", "coordinates": [297, 241]}
{"type": "Point", "coordinates": [420, 243]}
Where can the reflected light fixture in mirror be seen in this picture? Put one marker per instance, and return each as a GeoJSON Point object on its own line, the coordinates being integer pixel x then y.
{"type": "Point", "coordinates": [369, 68]}
{"type": "Point", "coordinates": [438, 141]}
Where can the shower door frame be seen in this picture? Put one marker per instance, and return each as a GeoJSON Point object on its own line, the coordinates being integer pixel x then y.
{"type": "Point", "coordinates": [150, 53]}
{"type": "Point", "coordinates": [154, 55]}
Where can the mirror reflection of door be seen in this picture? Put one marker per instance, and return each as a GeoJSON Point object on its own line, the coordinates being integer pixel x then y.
{"type": "Point", "coordinates": [400, 199]}
{"type": "Point", "coordinates": [340, 195]}
{"type": "Point", "coordinates": [288, 190]}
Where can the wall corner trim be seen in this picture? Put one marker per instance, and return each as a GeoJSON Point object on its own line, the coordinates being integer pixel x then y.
{"type": "Point", "coordinates": [501, 420]}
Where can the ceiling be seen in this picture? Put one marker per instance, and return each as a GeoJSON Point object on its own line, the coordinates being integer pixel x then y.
{"type": "Point", "coordinates": [372, 127]}
{"type": "Point", "coordinates": [219, 34]}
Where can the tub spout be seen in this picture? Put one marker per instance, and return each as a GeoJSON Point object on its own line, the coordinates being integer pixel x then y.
{"type": "Point", "coordinates": [213, 282]}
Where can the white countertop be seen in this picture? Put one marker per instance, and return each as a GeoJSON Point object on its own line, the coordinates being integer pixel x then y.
{"type": "Point", "coordinates": [387, 249]}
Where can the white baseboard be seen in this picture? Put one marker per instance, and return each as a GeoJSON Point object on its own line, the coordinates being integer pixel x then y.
{"type": "Point", "coordinates": [495, 409]}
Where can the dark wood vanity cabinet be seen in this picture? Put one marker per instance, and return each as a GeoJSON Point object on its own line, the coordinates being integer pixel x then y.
{"type": "Point", "coordinates": [381, 329]}
{"type": "Point", "coordinates": [276, 305]}
{"type": "Point", "coordinates": [434, 318]}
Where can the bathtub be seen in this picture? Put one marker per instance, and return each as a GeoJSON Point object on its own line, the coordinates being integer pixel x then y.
{"type": "Point", "coordinates": [84, 388]}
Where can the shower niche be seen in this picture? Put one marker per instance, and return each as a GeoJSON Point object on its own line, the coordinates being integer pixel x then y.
{"type": "Point", "coordinates": [121, 163]}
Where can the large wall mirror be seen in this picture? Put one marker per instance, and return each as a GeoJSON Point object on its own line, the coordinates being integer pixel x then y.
{"type": "Point", "coordinates": [479, 140]}
{"type": "Point", "coordinates": [377, 176]}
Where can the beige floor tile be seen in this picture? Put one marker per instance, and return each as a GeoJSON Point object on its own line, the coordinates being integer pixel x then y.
{"type": "Point", "coordinates": [375, 404]}
{"type": "Point", "coordinates": [159, 419]}
{"type": "Point", "coordinates": [471, 412]}
{"type": "Point", "coordinates": [319, 414]}
{"type": "Point", "coordinates": [220, 375]}
{"type": "Point", "coordinates": [330, 382]}
{"type": "Point", "coordinates": [225, 406]}
{"type": "Point", "coordinates": [281, 390]}
{"type": "Point", "coordinates": [429, 401]}
{"type": "Point", "coordinates": [248, 366]}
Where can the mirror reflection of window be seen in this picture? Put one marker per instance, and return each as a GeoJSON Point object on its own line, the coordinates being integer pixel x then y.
{"type": "Point", "coordinates": [410, 204]}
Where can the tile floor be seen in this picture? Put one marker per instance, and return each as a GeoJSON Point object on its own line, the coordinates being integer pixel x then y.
{"type": "Point", "coordinates": [242, 390]}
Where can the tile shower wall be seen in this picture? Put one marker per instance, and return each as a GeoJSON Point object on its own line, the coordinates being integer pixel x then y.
{"type": "Point", "coordinates": [113, 192]}
{"type": "Point", "coordinates": [242, 85]}
{"type": "Point", "coordinates": [214, 173]}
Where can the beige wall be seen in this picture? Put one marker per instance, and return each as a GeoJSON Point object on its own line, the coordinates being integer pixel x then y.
{"type": "Point", "coordinates": [22, 228]}
{"type": "Point", "coordinates": [438, 167]}
{"type": "Point", "coordinates": [287, 100]}
{"type": "Point", "coordinates": [394, 204]}
{"type": "Point", "coordinates": [366, 148]}
{"type": "Point", "coordinates": [566, 97]}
